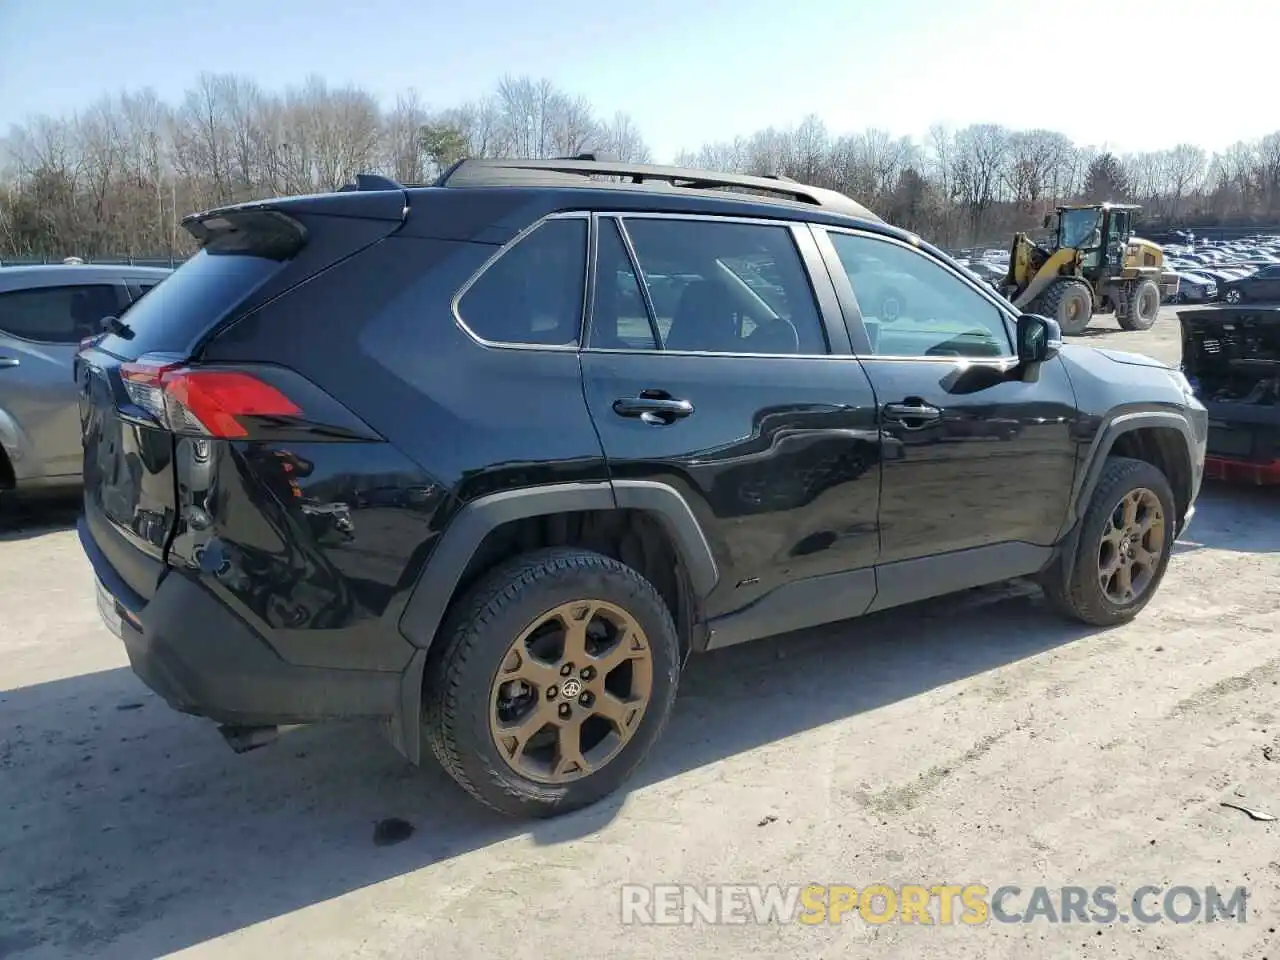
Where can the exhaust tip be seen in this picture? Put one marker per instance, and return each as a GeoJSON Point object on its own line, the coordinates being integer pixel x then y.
{"type": "Point", "coordinates": [244, 739]}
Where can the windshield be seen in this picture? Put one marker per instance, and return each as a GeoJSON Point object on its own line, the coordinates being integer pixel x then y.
{"type": "Point", "coordinates": [1077, 226]}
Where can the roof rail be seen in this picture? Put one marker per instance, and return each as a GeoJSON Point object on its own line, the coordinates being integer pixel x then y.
{"type": "Point", "coordinates": [370, 181]}
{"type": "Point", "coordinates": [478, 173]}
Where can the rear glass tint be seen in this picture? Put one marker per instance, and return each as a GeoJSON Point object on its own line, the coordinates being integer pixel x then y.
{"type": "Point", "coordinates": [172, 316]}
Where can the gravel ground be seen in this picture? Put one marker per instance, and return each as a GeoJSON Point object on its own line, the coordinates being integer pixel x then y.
{"type": "Point", "coordinates": [973, 739]}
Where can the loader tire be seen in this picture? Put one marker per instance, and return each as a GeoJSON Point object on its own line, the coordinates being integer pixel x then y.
{"type": "Point", "coordinates": [1139, 306]}
{"type": "Point", "coordinates": [1070, 302]}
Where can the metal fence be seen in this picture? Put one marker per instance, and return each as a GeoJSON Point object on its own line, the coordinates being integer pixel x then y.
{"type": "Point", "coordinates": [172, 262]}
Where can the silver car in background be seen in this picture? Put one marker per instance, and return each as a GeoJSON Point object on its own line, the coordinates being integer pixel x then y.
{"type": "Point", "coordinates": [45, 311]}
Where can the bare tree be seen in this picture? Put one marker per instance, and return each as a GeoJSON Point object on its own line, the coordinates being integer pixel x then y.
{"type": "Point", "coordinates": [1035, 171]}
{"type": "Point", "coordinates": [981, 155]}
{"type": "Point", "coordinates": [117, 176]}
{"type": "Point", "coordinates": [402, 134]}
{"type": "Point", "coordinates": [812, 150]}
{"type": "Point", "coordinates": [621, 138]}
{"type": "Point", "coordinates": [1185, 167]}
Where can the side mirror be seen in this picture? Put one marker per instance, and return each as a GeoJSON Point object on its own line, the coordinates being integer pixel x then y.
{"type": "Point", "coordinates": [1039, 338]}
{"type": "Point", "coordinates": [1048, 219]}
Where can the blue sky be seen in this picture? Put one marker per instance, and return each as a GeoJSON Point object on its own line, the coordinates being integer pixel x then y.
{"type": "Point", "coordinates": [695, 70]}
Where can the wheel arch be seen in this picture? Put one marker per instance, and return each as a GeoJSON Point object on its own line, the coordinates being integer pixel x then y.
{"type": "Point", "coordinates": [13, 443]}
{"type": "Point", "coordinates": [1161, 438]}
{"type": "Point", "coordinates": [634, 520]}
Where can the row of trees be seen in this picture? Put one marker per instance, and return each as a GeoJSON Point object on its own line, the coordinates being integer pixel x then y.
{"type": "Point", "coordinates": [115, 178]}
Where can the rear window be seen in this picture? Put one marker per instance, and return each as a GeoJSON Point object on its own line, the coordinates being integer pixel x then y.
{"type": "Point", "coordinates": [173, 315]}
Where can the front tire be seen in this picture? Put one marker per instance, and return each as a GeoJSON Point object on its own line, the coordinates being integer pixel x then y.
{"type": "Point", "coordinates": [1142, 306]}
{"type": "Point", "coordinates": [1070, 302]}
{"type": "Point", "coordinates": [1233, 297]}
{"type": "Point", "coordinates": [557, 675]}
{"type": "Point", "coordinates": [1126, 538]}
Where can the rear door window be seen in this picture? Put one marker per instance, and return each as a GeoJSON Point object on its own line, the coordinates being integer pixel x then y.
{"type": "Point", "coordinates": [64, 314]}
{"type": "Point", "coordinates": [620, 319]}
{"type": "Point", "coordinates": [726, 286]}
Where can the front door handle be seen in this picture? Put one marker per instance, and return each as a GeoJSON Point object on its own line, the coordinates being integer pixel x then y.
{"type": "Point", "coordinates": [652, 409]}
{"type": "Point", "coordinates": [6, 362]}
{"type": "Point", "coordinates": [912, 413]}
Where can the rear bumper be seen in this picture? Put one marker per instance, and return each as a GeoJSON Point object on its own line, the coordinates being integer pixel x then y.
{"type": "Point", "coordinates": [204, 660]}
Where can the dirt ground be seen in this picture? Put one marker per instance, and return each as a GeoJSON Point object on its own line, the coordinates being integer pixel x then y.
{"type": "Point", "coordinates": [976, 739]}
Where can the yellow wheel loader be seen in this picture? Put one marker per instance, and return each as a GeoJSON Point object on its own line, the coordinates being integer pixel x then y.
{"type": "Point", "coordinates": [1092, 264]}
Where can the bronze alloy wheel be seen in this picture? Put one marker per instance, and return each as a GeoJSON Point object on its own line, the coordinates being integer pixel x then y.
{"type": "Point", "coordinates": [571, 691]}
{"type": "Point", "coordinates": [1129, 554]}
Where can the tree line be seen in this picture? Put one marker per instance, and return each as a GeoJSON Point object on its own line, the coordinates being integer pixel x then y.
{"type": "Point", "coordinates": [115, 178]}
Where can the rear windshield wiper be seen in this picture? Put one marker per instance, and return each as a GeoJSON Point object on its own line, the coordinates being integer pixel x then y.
{"type": "Point", "coordinates": [117, 327]}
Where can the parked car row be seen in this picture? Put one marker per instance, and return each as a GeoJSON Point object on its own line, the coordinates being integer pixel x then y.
{"type": "Point", "coordinates": [1236, 271]}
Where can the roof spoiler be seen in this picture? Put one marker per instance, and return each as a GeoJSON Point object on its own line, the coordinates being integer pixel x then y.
{"type": "Point", "coordinates": [370, 181]}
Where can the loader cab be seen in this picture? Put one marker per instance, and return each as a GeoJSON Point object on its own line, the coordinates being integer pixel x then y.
{"type": "Point", "coordinates": [1099, 231]}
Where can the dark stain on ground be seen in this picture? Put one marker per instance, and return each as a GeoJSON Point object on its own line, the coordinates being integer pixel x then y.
{"type": "Point", "coordinates": [391, 831]}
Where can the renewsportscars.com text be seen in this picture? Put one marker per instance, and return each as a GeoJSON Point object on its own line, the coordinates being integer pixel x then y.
{"type": "Point", "coordinates": [970, 904]}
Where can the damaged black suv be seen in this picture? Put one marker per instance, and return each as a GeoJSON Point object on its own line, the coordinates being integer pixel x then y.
{"type": "Point", "coordinates": [487, 460]}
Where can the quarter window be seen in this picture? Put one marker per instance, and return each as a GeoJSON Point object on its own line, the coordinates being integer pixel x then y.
{"type": "Point", "coordinates": [533, 293]}
{"type": "Point", "coordinates": [914, 307]}
{"type": "Point", "coordinates": [65, 314]}
{"type": "Point", "coordinates": [725, 287]}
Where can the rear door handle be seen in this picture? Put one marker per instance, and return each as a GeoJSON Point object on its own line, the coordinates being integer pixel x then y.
{"type": "Point", "coordinates": [6, 362]}
{"type": "Point", "coordinates": [912, 414]}
{"type": "Point", "coordinates": [651, 409]}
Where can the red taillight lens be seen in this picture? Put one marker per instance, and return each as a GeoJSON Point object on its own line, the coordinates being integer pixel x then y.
{"type": "Point", "coordinates": [207, 402]}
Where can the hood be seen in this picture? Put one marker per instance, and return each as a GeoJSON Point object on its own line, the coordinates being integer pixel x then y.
{"type": "Point", "coordinates": [1133, 359]}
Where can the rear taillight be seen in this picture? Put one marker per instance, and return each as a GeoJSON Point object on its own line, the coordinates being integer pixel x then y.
{"type": "Point", "coordinates": [206, 402]}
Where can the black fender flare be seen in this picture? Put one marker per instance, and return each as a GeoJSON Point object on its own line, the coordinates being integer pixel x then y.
{"type": "Point", "coordinates": [429, 600]}
{"type": "Point", "coordinates": [1096, 460]}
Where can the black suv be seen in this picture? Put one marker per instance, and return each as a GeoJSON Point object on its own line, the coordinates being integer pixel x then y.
{"type": "Point", "coordinates": [487, 460]}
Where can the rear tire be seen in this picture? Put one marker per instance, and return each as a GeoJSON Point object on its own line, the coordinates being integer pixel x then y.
{"type": "Point", "coordinates": [1079, 591]}
{"type": "Point", "coordinates": [482, 730]}
{"type": "Point", "coordinates": [1141, 307]}
{"type": "Point", "coordinates": [1070, 302]}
